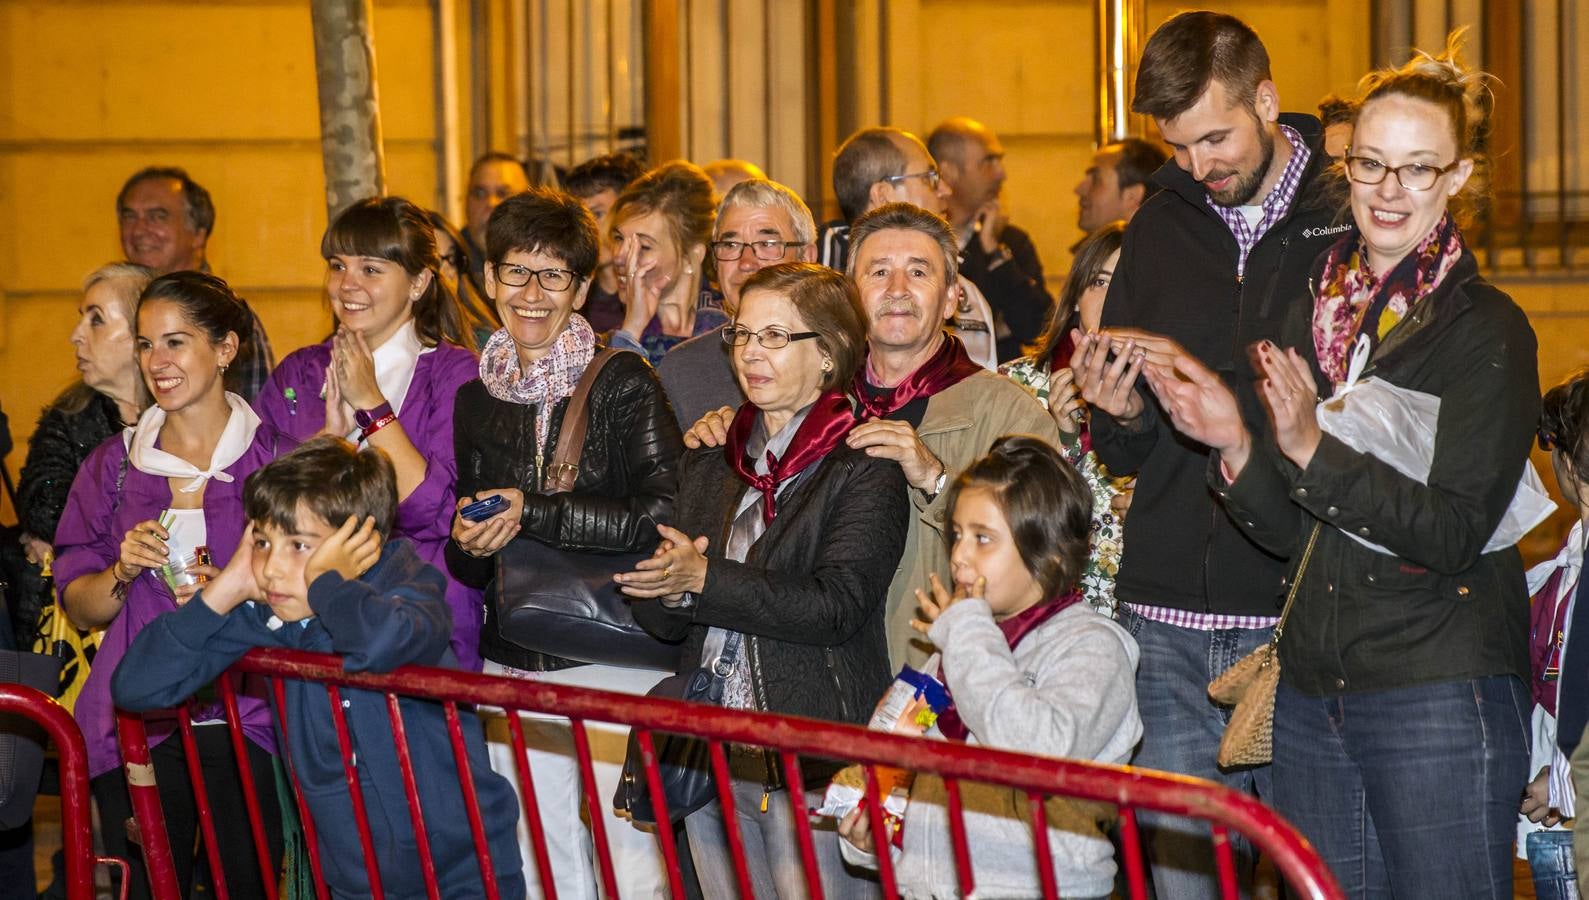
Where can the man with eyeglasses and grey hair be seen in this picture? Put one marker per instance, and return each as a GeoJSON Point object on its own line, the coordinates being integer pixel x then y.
{"type": "Point", "coordinates": [760, 223]}
{"type": "Point", "coordinates": [877, 166]}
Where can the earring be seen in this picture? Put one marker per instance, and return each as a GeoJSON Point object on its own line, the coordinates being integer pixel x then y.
{"type": "Point", "coordinates": [827, 365]}
{"type": "Point", "coordinates": [223, 368]}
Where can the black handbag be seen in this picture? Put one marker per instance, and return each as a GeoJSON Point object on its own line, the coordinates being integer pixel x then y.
{"type": "Point", "coordinates": [564, 602]}
{"type": "Point", "coordinates": [684, 763]}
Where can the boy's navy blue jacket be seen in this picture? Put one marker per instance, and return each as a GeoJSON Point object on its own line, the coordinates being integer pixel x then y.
{"type": "Point", "coordinates": [395, 615]}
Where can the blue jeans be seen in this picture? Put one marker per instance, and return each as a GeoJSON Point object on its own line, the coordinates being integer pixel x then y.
{"type": "Point", "coordinates": [1181, 729]}
{"type": "Point", "coordinates": [1550, 859]}
{"type": "Point", "coordinates": [1410, 792]}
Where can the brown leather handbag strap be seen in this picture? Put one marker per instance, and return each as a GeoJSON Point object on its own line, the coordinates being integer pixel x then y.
{"type": "Point", "coordinates": [571, 437]}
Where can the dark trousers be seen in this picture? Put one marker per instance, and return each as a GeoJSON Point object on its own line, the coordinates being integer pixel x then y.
{"type": "Point", "coordinates": [1411, 792]}
{"type": "Point", "coordinates": [230, 813]}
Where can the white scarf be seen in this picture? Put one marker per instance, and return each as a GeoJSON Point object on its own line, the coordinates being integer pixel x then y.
{"type": "Point", "coordinates": [236, 437]}
{"type": "Point", "coordinates": [395, 361]}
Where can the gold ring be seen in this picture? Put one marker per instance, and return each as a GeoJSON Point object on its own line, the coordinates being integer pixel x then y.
{"type": "Point", "coordinates": [667, 571]}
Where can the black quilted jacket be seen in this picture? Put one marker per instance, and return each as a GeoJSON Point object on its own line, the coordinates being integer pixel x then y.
{"type": "Point", "coordinates": [626, 482]}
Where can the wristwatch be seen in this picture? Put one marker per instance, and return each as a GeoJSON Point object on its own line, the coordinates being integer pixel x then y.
{"type": "Point", "coordinates": [364, 418]}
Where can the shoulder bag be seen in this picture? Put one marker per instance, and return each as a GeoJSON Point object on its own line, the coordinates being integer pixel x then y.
{"type": "Point", "coordinates": [564, 602]}
{"type": "Point", "coordinates": [1250, 685]}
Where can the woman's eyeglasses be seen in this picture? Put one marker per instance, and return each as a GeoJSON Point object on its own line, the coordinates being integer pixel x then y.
{"type": "Point", "coordinates": [770, 338]}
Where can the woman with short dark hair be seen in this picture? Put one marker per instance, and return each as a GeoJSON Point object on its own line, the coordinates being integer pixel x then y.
{"type": "Point", "coordinates": [777, 562]}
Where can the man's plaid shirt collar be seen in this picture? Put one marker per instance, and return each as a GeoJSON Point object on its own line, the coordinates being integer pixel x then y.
{"type": "Point", "coordinates": [1275, 205]}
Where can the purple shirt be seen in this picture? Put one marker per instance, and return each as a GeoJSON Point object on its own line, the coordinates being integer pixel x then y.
{"type": "Point", "coordinates": [1275, 205]}
{"type": "Point", "coordinates": [88, 540]}
{"type": "Point", "coordinates": [426, 516]}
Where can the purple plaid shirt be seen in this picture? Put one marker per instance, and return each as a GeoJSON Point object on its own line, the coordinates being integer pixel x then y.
{"type": "Point", "coordinates": [1274, 206]}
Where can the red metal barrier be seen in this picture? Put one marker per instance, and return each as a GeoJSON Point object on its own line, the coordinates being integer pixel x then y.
{"type": "Point", "coordinates": [77, 826]}
{"type": "Point", "coordinates": [1128, 788]}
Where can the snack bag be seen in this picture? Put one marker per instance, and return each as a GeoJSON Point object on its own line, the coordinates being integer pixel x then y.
{"type": "Point", "coordinates": [910, 706]}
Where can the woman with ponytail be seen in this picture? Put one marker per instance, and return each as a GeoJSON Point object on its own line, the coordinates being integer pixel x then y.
{"type": "Point", "coordinates": [388, 375]}
{"type": "Point", "coordinates": [1401, 720]}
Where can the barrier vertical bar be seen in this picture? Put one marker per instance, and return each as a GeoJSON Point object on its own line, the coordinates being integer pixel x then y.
{"type": "Point", "coordinates": [350, 774]}
{"type": "Point", "coordinates": [598, 824]}
{"type": "Point", "coordinates": [881, 841]}
{"type": "Point", "coordinates": [1226, 862]}
{"type": "Point", "coordinates": [725, 799]}
{"type": "Point", "coordinates": [311, 839]}
{"type": "Point", "coordinates": [795, 786]}
{"type": "Point", "coordinates": [405, 765]}
{"type": "Point", "coordinates": [659, 804]}
{"type": "Point", "coordinates": [201, 801]}
{"type": "Point", "coordinates": [1043, 853]}
{"type": "Point", "coordinates": [532, 809]}
{"type": "Point", "coordinates": [144, 793]}
{"type": "Point", "coordinates": [471, 800]}
{"type": "Point", "coordinates": [1131, 846]}
{"type": "Point", "coordinates": [245, 775]}
{"type": "Point", "coordinates": [957, 837]}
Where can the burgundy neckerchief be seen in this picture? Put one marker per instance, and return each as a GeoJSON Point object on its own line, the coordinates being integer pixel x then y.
{"type": "Point", "coordinates": [829, 420]}
{"type": "Point", "coordinates": [1548, 619]}
{"type": "Point", "coordinates": [948, 366]}
{"type": "Point", "coordinates": [1015, 628]}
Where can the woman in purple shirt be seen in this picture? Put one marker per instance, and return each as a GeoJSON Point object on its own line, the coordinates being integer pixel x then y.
{"type": "Point", "coordinates": [388, 376]}
{"type": "Point", "coordinates": [145, 503]}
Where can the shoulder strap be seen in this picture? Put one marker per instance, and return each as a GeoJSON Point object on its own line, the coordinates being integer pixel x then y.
{"type": "Point", "coordinates": [571, 437]}
{"type": "Point", "coordinates": [1296, 582]}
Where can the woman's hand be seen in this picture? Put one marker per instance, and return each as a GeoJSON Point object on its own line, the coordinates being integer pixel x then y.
{"type": "Point", "coordinates": [1065, 404]}
{"type": "Point", "coordinates": [1536, 801]}
{"type": "Point", "coordinates": [856, 827]}
{"type": "Point", "coordinates": [933, 606]}
{"type": "Point", "coordinates": [676, 567]}
{"type": "Point", "coordinates": [143, 547]}
{"type": "Point", "coordinates": [1203, 408]}
{"type": "Point", "coordinates": [1109, 386]}
{"type": "Point", "coordinates": [339, 415]}
{"type": "Point", "coordinates": [640, 294]}
{"type": "Point", "coordinates": [38, 552]}
{"type": "Point", "coordinates": [1290, 394]}
{"type": "Point", "coordinates": [355, 365]}
{"type": "Point", "coordinates": [485, 538]}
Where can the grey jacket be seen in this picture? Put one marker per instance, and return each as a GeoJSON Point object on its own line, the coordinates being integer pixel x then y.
{"type": "Point", "coordinates": [1068, 689]}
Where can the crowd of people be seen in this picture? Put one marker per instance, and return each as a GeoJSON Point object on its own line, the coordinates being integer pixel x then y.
{"type": "Point", "coordinates": [811, 456]}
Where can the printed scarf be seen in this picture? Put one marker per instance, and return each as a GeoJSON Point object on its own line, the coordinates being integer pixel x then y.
{"type": "Point", "coordinates": [548, 379]}
{"type": "Point", "coordinates": [829, 420]}
{"type": "Point", "coordinates": [948, 366]}
{"type": "Point", "coordinates": [1351, 298]}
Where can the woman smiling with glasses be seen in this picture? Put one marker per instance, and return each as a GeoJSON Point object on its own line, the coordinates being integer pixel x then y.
{"type": "Point", "coordinates": [1400, 735]}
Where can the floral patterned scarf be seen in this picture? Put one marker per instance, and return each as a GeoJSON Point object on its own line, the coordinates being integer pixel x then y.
{"type": "Point", "coordinates": [1349, 296]}
{"type": "Point", "coordinates": [548, 379]}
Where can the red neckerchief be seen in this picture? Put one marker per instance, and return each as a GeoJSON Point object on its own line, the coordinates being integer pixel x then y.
{"type": "Point", "coordinates": [829, 420]}
{"type": "Point", "coordinates": [1015, 628]}
{"type": "Point", "coordinates": [948, 366]}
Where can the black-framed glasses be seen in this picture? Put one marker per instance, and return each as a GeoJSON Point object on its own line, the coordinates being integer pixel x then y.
{"type": "Point", "coordinates": [553, 280]}
{"type": "Point", "coordinates": [931, 175]}
{"type": "Point", "coordinates": [770, 337]}
{"type": "Point", "coordinates": [770, 250]}
{"type": "Point", "coordinates": [1412, 176]}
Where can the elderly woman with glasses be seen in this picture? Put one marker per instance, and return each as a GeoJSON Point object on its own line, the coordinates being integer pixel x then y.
{"type": "Point", "coordinates": [775, 565]}
{"type": "Point", "coordinates": [1400, 724]}
{"type": "Point", "coordinates": [541, 248]}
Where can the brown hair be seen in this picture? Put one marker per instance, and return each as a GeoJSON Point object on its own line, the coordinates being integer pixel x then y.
{"type": "Point", "coordinates": [329, 477]}
{"type": "Point", "coordinates": [681, 192]}
{"type": "Point", "coordinates": [1187, 53]}
{"type": "Point", "coordinates": [209, 303]}
{"type": "Point", "coordinates": [830, 305]}
{"type": "Point", "coordinates": [1089, 261]}
{"type": "Point", "coordinates": [1045, 501]}
{"type": "Point", "coordinates": [906, 217]}
{"type": "Point", "coordinates": [396, 230]}
{"type": "Point", "coordinates": [1463, 93]}
{"type": "Point", "coordinates": [548, 220]}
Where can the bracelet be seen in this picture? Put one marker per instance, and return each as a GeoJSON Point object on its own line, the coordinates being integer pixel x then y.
{"type": "Point", "coordinates": [115, 572]}
{"type": "Point", "coordinates": [376, 425]}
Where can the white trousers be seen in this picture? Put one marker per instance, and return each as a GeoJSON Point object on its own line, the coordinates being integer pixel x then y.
{"type": "Point", "coordinates": [554, 764]}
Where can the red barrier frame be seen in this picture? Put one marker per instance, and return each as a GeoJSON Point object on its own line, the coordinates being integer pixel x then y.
{"type": "Point", "coordinates": [77, 824]}
{"type": "Point", "coordinates": [1123, 786]}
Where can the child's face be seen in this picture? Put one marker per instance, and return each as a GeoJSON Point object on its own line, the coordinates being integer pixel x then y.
{"type": "Point", "coordinates": [279, 559]}
{"type": "Point", "coordinates": [983, 547]}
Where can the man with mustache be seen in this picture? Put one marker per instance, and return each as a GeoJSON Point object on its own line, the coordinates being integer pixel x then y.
{"type": "Point", "coordinates": [1211, 264]}
{"type": "Point", "coordinates": [924, 403]}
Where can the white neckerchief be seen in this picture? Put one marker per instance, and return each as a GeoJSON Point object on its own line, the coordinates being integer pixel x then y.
{"type": "Point", "coordinates": [395, 361]}
{"type": "Point", "coordinates": [1570, 558]}
{"type": "Point", "coordinates": [143, 455]}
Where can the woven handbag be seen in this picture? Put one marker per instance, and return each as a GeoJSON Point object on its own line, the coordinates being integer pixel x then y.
{"type": "Point", "coordinates": [1250, 684]}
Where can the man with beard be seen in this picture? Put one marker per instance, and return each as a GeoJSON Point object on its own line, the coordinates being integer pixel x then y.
{"type": "Point", "coordinates": [1210, 265]}
{"type": "Point", "coordinates": [924, 403]}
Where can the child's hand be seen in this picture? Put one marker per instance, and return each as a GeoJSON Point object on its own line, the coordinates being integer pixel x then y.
{"type": "Point", "coordinates": [235, 583]}
{"type": "Point", "coordinates": [857, 828]}
{"type": "Point", "coordinates": [930, 608]}
{"type": "Point", "coordinates": [350, 552]}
